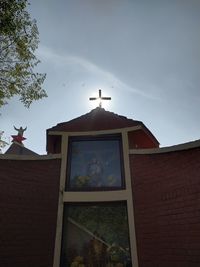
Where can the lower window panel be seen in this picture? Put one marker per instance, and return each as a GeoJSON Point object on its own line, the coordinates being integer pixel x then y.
{"type": "Point", "coordinates": [95, 235]}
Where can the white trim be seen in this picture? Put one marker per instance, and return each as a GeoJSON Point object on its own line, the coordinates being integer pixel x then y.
{"type": "Point", "coordinates": [97, 196]}
{"type": "Point", "coordinates": [57, 248]}
{"type": "Point", "coordinates": [111, 131]}
{"type": "Point", "coordinates": [129, 195]}
{"type": "Point", "coordinates": [180, 147]}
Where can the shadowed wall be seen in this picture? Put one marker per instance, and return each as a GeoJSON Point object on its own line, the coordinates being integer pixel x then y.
{"type": "Point", "coordinates": [166, 193]}
{"type": "Point", "coordinates": [28, 205]}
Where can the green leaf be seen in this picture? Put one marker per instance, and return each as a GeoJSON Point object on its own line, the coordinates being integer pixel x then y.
{"type": "Point", "coordinates": [19, 39]}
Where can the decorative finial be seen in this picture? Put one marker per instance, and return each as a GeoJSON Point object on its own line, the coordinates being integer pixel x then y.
{"type": "Point", "coordinates": [19, 137]}
{"type": "Point", "coordinates": [100, 98]}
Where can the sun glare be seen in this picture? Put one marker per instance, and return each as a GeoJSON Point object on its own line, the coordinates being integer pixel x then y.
{"type": "Point", "coordinates": [99, 99]}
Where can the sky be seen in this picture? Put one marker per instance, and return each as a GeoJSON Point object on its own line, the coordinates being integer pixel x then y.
{"type": "Point", "coordinates": [144, 54]}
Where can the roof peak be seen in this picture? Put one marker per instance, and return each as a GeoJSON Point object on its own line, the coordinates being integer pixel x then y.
{"type": "Point", "coordinates": [95, 120]}
{"type": "Point", "coordinates": [19, 149]}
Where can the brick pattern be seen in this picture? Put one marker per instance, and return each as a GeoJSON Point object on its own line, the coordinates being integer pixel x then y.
{"type": "Point", "coordinates": [166, 195]}
{"type": "Point", "coordinates": [28, 205]}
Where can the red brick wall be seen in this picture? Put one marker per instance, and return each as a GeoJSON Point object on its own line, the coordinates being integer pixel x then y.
{"type": "Point", "coordinates": [28, 212]}
{"type": "Point", "coordinates": [166, 191]}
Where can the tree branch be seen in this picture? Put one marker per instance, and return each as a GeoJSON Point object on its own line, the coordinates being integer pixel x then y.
{"type": "Point", "coordinates": [6, 47]}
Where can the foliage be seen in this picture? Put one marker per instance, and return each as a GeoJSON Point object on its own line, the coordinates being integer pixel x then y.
{"type": "Point", "coordinates": [18, 42]}
{"type": "Point", "coordinates": [2, 142]}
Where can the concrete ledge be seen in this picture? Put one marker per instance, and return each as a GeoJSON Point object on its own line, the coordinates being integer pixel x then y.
{"type": "Point", "coordinates": [30, 157]}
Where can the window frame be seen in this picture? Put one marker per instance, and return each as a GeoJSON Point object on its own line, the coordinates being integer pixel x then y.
{"type": "Point", "coordinates": [93, 203]}
{"type": "Point", "coordinates": [103, 137]}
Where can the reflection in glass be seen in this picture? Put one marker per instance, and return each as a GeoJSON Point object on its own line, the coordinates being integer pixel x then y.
{"type": "Point", "coordinates": [96, 235]}
{"type": "Point", "coordinates": [95, 163]}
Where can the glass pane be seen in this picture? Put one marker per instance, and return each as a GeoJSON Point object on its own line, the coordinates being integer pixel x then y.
{"type": "Point", "coordinates": [95, 164]}
{"type": "Point", "coordinates": [96, 235]}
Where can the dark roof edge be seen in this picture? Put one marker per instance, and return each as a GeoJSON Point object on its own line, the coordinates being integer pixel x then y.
{"type": "Point", "coordinates": [19, 149]}
{"type": "Point", "coordinates": [154, 139]}
{"type": "Point", "coordinates": [86, 114]}
{"type": "Point", "coordinates": [29, 157]}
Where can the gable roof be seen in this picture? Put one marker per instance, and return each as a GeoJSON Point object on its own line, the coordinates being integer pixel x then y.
{"type": "Point", "coordinates": [18, 149]}
{"type": "Point", "coordinates": [96, 120]}
{"type": "Point", "coordinates": [99, 119]}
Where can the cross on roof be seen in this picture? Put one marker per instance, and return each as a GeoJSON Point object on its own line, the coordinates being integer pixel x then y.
{"type": "Point", "coordinates": [100, 98]}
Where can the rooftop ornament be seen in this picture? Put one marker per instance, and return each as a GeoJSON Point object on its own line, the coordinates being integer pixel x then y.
{"type": "Point", "coordinates": [100, 98]}
{"type": "Point", "coordinates": [19, 137]}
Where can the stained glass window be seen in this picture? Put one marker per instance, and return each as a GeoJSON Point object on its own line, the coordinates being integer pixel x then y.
{"type": "Point", "coordinates": [95, 163]}
{"type": "Point", "coordinates": [95, 235]}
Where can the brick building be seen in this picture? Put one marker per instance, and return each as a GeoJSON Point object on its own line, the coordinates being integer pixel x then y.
{"type": "Point", "coordinates": [104, 195]}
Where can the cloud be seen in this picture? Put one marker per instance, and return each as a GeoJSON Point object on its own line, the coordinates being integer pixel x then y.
{"type": "Point", "coordinates": [62, 61]}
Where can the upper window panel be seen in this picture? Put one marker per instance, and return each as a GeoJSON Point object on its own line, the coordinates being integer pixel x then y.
{"type": "Point", "coordinates": [95, 163]}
